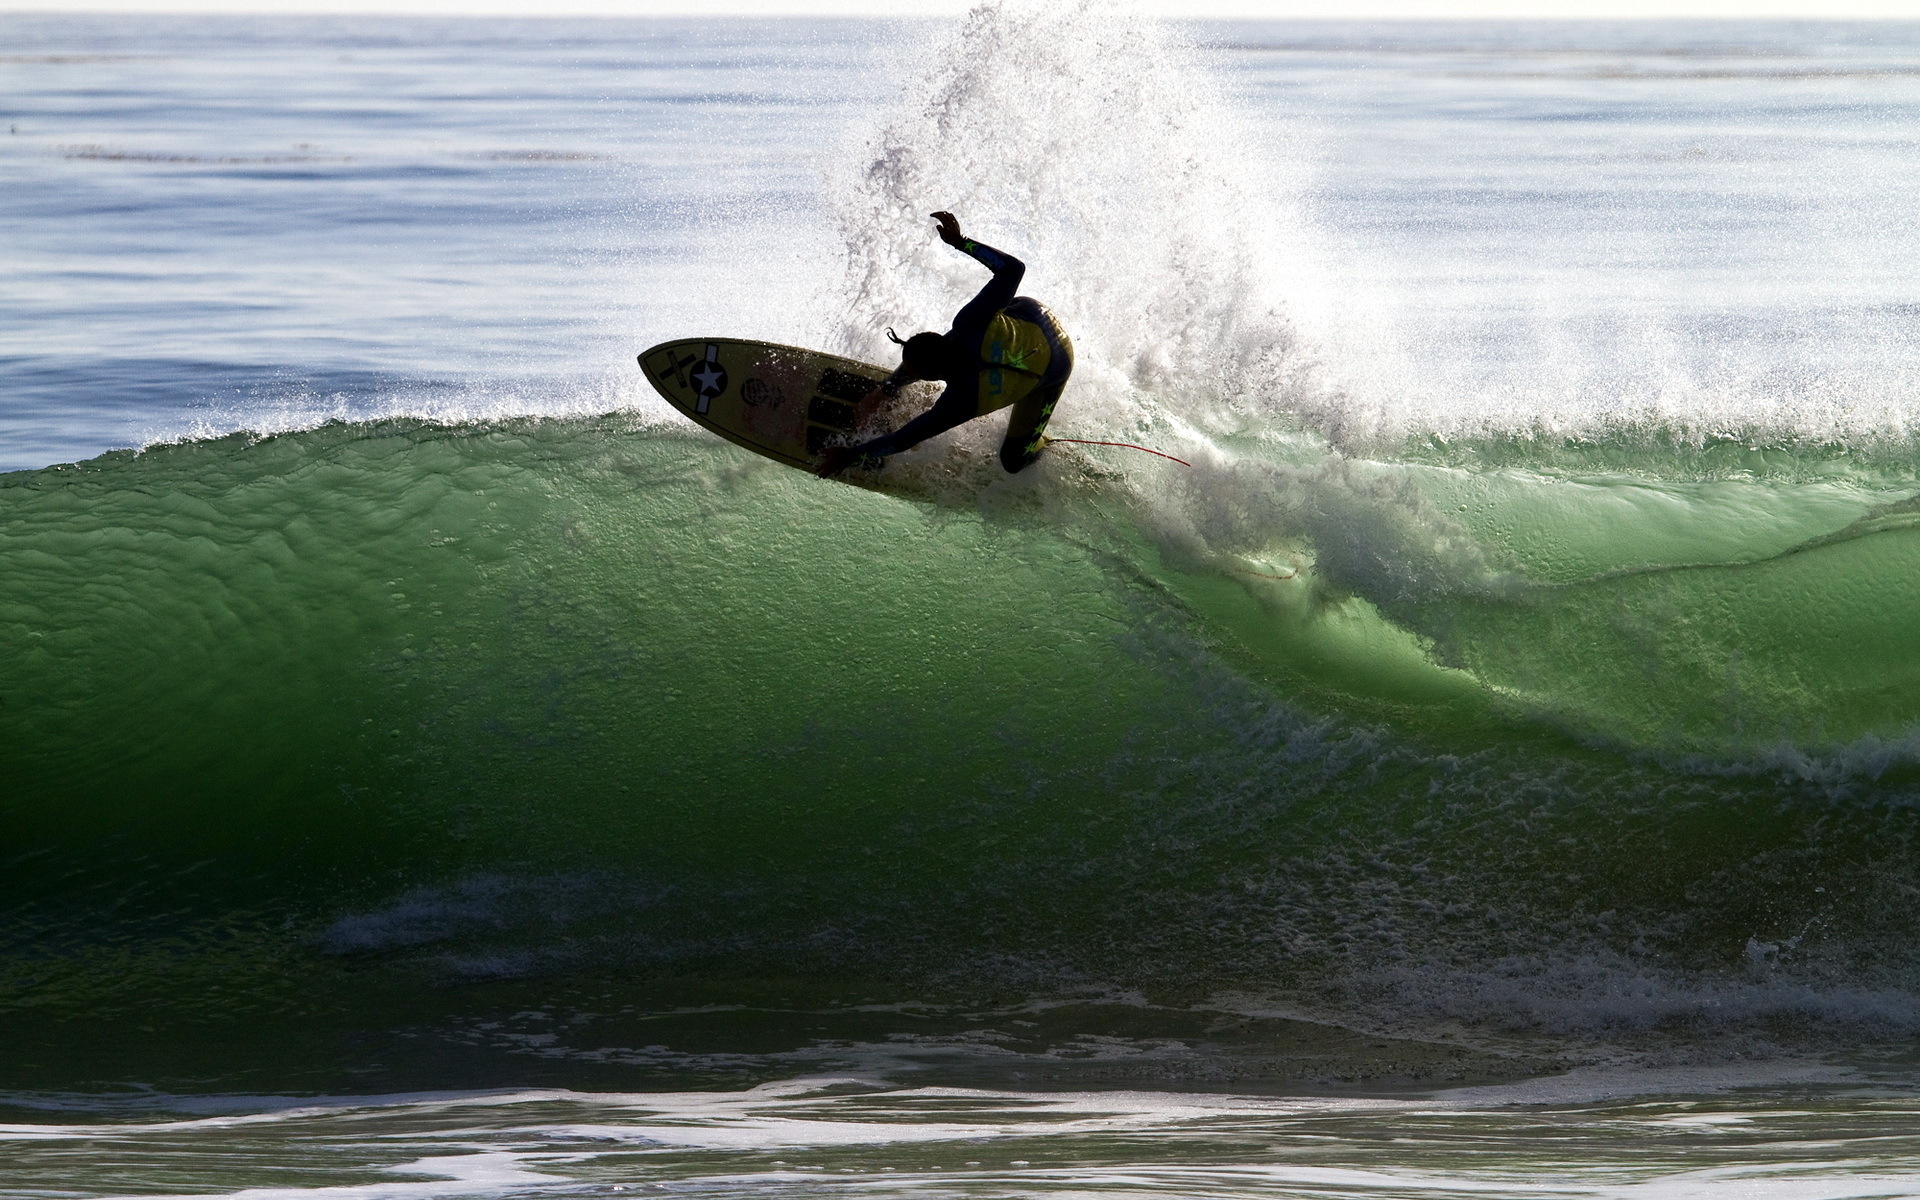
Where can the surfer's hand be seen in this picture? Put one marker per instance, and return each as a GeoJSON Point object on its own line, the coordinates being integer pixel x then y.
{"type": "Point", "coordinates": [833, 460]}
{"type": "Point", "coordinates": [949, 229]}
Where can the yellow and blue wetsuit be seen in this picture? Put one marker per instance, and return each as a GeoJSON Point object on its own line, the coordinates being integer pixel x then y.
{"type": "Point", "coordinates": [1007, 351]}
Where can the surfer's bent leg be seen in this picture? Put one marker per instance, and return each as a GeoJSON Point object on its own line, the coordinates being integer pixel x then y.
{"type": "Point", "coordinates": [1027, 427]}
{"type": "Point", "coordinates": [1027, 423]}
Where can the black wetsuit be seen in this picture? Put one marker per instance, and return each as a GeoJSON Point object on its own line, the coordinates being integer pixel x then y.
{"type": "Point", "coordinates": [1005, 350]}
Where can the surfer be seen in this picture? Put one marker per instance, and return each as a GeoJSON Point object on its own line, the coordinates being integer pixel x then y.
{"type": "Point", "coordinates": [1003, 351]}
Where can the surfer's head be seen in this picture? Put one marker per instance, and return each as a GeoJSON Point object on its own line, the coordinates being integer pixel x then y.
{"type": "Point", "coordinates": [924, 354]}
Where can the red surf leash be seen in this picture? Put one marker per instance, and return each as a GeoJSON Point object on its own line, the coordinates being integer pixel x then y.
{"type": "Point", "coordinates": [1123, 445]}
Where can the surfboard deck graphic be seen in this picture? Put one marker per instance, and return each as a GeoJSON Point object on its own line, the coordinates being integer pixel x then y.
{"type": "Point", "coordinates": [781, 401]}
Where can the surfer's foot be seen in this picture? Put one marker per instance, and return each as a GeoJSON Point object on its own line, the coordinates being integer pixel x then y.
{"type": "Point", "coordinates": [1016, 461]}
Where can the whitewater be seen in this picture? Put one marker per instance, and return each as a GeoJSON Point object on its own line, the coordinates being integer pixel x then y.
{"type": "Point", "coordinates": [1486, 765]}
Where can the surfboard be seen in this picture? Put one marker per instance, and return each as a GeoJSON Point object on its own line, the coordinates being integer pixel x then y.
{"type": "Point", "coordinates": [781, 401]}
{"type": "Point", "coordinates": [788, 403]}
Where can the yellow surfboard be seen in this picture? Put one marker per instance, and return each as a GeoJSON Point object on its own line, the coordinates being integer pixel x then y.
{"type": "Point", "coordinates": [781, 401]}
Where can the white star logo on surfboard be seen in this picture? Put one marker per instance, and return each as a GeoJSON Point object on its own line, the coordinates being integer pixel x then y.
{"type": "Point", "coordinates": [710, 380]}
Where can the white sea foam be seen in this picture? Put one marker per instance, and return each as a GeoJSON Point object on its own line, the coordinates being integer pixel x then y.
{"type": "Point", "coordinates": [838, 1135]}
{"type": "Point", "coordinates": [1089, 141]}
{"type": "Point", "coordinates": [276, 411]}
{"type": "Point", "coordinates": [1211, 286]}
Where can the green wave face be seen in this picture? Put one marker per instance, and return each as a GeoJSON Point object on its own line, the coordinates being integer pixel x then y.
{"type": "Point", "coordinates": [1729, 618]}
{"type": "Point", "coordinates": [342, 738]}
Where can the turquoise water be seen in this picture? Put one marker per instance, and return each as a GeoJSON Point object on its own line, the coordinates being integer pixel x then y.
{"type": "Point", "coordinates": [1489, 766]}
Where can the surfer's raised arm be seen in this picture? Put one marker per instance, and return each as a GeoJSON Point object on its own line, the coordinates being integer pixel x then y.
{"type": "Point", "coordinates": [1007, 270]}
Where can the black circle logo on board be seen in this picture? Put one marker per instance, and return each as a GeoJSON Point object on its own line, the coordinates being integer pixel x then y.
{"type": "Point", "coordinates": [759, 391]}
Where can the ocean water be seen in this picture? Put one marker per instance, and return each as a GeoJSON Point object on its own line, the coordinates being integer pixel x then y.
{"type": "Point", "coordinates": [1487, 764]}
